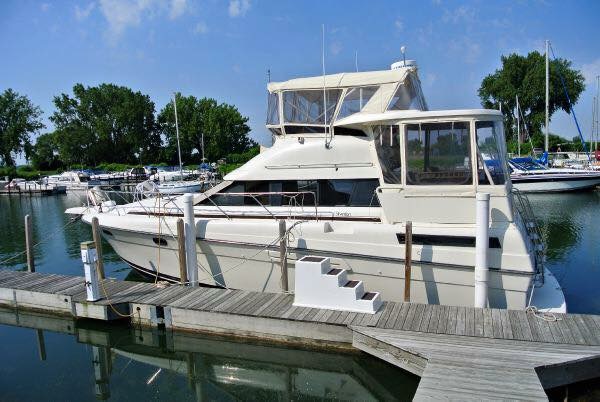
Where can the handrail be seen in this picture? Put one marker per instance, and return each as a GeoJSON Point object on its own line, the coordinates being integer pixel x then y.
{"type": "Point", "coordinates": [253, 195]}
{"type": "Point", "coordinates": [170, 201]}
{"type": "Point", "coordinates": [533, 229]}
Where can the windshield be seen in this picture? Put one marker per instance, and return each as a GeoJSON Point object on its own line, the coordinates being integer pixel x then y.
{"type": "Point", "coordinates": [491, 151]}
{"type": "Point", "coordinates": [306, 106]}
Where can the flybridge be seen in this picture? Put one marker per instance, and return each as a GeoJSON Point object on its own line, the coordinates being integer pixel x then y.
{"type": "Point", "coordinates": [313, 104]}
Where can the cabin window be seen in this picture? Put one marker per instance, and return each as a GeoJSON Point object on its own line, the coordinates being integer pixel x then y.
{"type": "Point", "coordinates": [339, 192]}
{"type": "Point", "coordinates": [306, 106]}
{"type": "Point", "coordinates": [387, 144]}
{"type": "Point", "coordinates": [355, 100]}
{"type": "Point", "coordinates": [490, 152]}
{"type": "Point", "coordinates": [438, 154]}
{"type": "Point", "coordinates": [406, 97]}
{"type": "Point", "coordinates": [273, 109]}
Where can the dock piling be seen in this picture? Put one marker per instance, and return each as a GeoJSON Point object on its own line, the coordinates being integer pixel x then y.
{"type": "Point", "coordinates": [181, 250]}
{"type": "Point", "coordinates": [98, 243]}
{"type": "Point", "coordinates": [190, 239]}
{"type": "Point", "coordinates": [89, 258]}
{"type": "Point", "coordinates": [29, 244]}
{"type": "Point", "coordinates": [482, 241]}
{"type": "Point", "coordinates": [407, 260]}
{"type": "Point", "coordinates": [283, 255]}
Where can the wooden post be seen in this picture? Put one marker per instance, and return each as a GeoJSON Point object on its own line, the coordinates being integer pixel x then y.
{"type": "Point", "coordinates": [181, 244]}
{"type": "Point", "coordinates": [407, 260]}
{"type": "Point", "coordinates": [98, 243]}
{"type": "Point", "coordinates": [283, 255]}
{"type": "Point", "coordinates": [29, 244]}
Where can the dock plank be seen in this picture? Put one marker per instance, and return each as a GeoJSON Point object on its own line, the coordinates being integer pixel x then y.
{"type": "Point", "coordinates": [452, 319]}
{"type": "Point", "coordinates": [433, 321]}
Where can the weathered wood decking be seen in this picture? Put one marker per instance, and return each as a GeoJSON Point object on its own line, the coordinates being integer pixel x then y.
{"type": "Point", "coordinates": [460, 352]}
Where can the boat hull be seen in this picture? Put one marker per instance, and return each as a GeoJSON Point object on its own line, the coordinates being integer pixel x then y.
{"type": "Point", "coordinates": [546, 185]}
{"type": "Point", "coordinates": [256, 268]}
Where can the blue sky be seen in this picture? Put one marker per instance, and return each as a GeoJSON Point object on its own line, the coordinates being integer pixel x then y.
{"type": "Point", "coordinates": [223, 48]}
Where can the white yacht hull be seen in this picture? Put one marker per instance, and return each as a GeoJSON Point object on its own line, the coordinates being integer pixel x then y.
{"type": "Point", "coordinates": [545, 185]}
{"type": "Point", "coordinates": [239, 264]}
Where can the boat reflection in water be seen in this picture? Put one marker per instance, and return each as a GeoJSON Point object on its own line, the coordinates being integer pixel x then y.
{"type": "Point", "coordinates": [132, 362]}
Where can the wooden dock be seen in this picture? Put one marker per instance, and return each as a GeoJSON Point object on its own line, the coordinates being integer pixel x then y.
{"type": "Point", "coordinates": [459, 352]}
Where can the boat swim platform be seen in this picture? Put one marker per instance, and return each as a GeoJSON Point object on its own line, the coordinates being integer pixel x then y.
{"type": "Point", "coordinates": [459, 352]}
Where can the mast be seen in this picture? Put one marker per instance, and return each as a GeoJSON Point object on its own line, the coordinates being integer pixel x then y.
{"type": "Point", "coordinates": [324, 85]}
{"type": "Point", "coordinates": [518, 128]}
{"type": "Point", "coordinates": [177, 131]}
{"type": "Point", "coordinates": [547, 96]}
{"type": "Point", "coordinates": [203, 147]}
{"type": "Point", "coordinates": [597, 106]}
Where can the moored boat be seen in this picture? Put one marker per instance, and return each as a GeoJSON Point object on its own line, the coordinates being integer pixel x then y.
{"type": "Point", "coordinates": [346, 174]}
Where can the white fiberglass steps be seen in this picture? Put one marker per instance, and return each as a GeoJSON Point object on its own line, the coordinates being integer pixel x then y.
{"type": "Point", "coordinates": [318, 285]}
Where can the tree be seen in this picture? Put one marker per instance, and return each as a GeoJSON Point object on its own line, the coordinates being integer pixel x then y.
{"type": "Point", "coordinates": [525, 76]}
{"type": "Point", "coordinates": [225, 129]}
{"type": "Point", "coordinates": [107, 123]}
{"type": "Point", "coordinates": [19, 118]}
{"type": "Point", "coordinates": [45, 152]}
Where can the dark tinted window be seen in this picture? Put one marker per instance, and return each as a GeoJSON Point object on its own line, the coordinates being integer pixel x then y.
{"type": "Point", "coordinates": [355, 193]}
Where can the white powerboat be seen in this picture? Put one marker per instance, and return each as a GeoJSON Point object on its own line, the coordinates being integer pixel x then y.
{"type": "Point", "coordinates": [72, 180]}
{"type": "Point", "coordinates": [529, 176]}
{"type": "Point", "coordinates": [346, 175]}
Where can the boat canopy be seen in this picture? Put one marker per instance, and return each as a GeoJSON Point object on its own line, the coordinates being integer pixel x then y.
{"type": "Point", "coordinates": [313, 104]}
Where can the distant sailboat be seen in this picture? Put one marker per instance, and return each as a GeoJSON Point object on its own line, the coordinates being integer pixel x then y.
{"type": "Point", "coordinates": [180, 186]}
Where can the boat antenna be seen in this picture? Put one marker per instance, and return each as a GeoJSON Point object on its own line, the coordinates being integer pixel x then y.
{"type": "Point", "coordinates": [327, 141]}
{"type": "Point", "coordinates": [268, 75]}
{"type": "Point", "coordinates": [547, 97]}
{"type": "Point", "coordinates": [403, 51]}
{"type": "Point", "coordinates": [356, 60]}
{"type": "Point", "coordinates": [177, 132]}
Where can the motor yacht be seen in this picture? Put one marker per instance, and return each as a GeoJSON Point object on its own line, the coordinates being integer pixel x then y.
{"type": "Point", "coordinates": [355, 156]}
{"type": "Point", "coordinates": [530, 176]}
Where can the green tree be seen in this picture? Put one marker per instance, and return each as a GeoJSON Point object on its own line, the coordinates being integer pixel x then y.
{"type": "Point", "coordinates": [525, 76]}
{"type": "Point", "coordinates": [225, 129]}
{"type": "Point", "coordinates": [107, 123]}
{"type": "Point", "coordinates": [44, 155]}
{"type": "Point", "coordinates": [19, 118]}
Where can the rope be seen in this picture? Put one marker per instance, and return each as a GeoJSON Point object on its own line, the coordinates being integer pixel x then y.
{"type": "Point", "coordinates": [549, 317]}
{"type": "Point", "coordinates": [246, 259]}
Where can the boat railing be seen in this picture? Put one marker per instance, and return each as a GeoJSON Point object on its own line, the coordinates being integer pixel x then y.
{"type": "Point", "coordinates": [166, 204]}
{"type": "Point", "coordinates": [296, 199]}
{"type": "Point", "coordinates": [525, 210]}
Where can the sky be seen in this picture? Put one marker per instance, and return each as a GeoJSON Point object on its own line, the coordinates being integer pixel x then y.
{"type": "Point", "coordinates": [223, 48]}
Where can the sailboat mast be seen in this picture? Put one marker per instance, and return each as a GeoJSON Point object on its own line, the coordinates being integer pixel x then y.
{"type": "Point", "coordinates": [518, 128]}
{"type": "Point", "coordinates": [547, 96]}
{"type": "Point", "coordinates": [597, 106]}
{"type": "Point", "coordinates": [177, 131]}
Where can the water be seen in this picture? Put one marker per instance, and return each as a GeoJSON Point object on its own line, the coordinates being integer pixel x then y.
{"type": "Point", "coordinates": [90, 361]}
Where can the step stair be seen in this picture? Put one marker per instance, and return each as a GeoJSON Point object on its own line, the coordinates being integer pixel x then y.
{"type": "Point", "coordinates": [318, 285]}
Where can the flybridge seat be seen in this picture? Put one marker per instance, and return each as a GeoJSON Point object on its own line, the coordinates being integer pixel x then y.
{"type": "Point", "coordinates": [311, 105]}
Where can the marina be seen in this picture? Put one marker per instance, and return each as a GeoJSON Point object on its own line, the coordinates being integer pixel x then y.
{"type": "Point", "coordinates": [224, 202]}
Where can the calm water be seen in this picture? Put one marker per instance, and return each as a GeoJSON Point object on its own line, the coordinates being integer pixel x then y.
{"type": "Point", "coordinates": [90, 361]}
